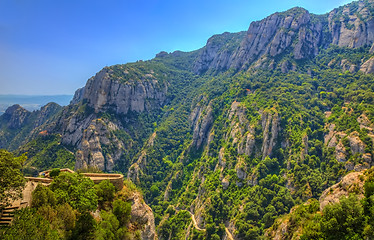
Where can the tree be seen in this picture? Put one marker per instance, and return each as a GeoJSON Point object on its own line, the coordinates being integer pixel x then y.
{"type": "Point", "coordinates": [84, 227]}
{"type": "Point", "coordinates": [76, 190]}
{"type": "Point", "coordinates": [55, 172]}
{"type": "Point", "coordinates": [122, 211]}
{"type": "Point", "coordinates": [11, 178]}
{"type": "Point", "coordinates": [29, 225]}
{"type": "Point", "coordinates": [105, 192]}
{"type": "Point", "coordinates": [43, 196]}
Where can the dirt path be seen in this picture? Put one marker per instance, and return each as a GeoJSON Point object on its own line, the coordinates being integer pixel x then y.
{"type": "Point", "coordinates": [228, 233]}
{"type": "Point", "coordinates": [195, 223]}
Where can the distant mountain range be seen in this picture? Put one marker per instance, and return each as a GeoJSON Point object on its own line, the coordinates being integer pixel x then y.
{"type": "Point", "coordinates": [32, 102]}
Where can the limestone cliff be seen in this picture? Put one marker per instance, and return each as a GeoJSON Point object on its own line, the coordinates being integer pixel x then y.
{"type": "Point", "coordinates": [121, 90]}
{"type": "Point", "coordinates": [296, 32]}
{"type": "Point", "coordinates": [107, 91]}
{"type": "Point", "coordinates": [141, 214]}
{"type": "Point", "coordinates": [201, 119]}
{"type": "Point", "coordinates": [97, 138]}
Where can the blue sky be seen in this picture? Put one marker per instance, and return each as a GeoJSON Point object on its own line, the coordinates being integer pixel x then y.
{"type": "Point", "coordinates": [53, 46]}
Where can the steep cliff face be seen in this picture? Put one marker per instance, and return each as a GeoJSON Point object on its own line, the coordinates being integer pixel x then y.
{"type": "Point", "coordinates": [122, 90]}
{"type": "Point", "coordinates": [295, 32]}
{"type": "Point", "coordinates": [275, 34]}
{"type": "Point", "coordinates": [78, 96]}
{"type": "Point", "coordinates": [97, 140]}
{"type": "Point", "coordinates": [352, 25]}
{"type": "Point", "coordinates": [201, 119]}
{"type": "Point", "coordinates": [217, 52]}
{"type": "Point", "coordinates": [106, 92]}
{"type": "Point", "coordinates": [141, 214]}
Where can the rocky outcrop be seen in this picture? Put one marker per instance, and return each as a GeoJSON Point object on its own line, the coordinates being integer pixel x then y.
{"type": "Point", "coordinates": [368, 66]}
{"type": "Point", "coordinates": [356, 144]}
{"type": "Point", "coordinates": [201, 120]}
{"type": "Point", "coordinates": [242, 133]}
{"type": "Point", "coordinates": [352, 25]}
{"type": "Point", "coordinates": [72, 127]}
{"type": "Point", "coordinates": [78, 96]}
{"type": "Point", "coordinates": [96, 137]}
{"type": "Point", "coordinates": [107, 91]}
{"type": "Point", "coordinates": [16, 116]}
{"type": "Point", "coordinates": [141, 214]}
{"type": "Point", "coordinates": [276, 33]}
{"type": "Point", "coordinates": [295, 32]}
{"type": "Point", "coordinates": [351, 183]}
{"type": "Point", "coordinates": [217, 52]}
{"type": "Point", "coordinates": [271, 127]}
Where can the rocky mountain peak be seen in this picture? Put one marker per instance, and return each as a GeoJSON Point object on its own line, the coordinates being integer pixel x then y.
{"type": "Point", "coordinates": [111, 89]}
{"type": "Point", "coordinates": [16, 116]}
{"type": "Point", "coordinates": [295, 32]}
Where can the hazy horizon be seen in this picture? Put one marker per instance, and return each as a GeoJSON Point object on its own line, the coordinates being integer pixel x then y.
{"type": "Point", "coordinates": [32, 102]}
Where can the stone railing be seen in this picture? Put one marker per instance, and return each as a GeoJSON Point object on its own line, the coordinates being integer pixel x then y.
{"type": "Point", "coordinates": [115, 179]}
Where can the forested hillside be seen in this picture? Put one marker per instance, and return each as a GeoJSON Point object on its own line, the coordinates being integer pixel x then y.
{"type": "Point", "coordinates": [224, 141]}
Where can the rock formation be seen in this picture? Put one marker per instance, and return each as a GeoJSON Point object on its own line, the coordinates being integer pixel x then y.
{"type": "Point", "coordinates": [295, 31]}
{"type": "Point", "coordinates": [106, 92]}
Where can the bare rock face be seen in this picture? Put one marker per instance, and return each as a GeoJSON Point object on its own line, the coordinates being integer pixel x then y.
{"type": "Point", "coordinates": [357, 146]}
{"type": "Point", "coordinates": [295, 31]}
{"type": "Point", "coordinates": [368, 66]}
{"type": "Point", "coordinates": [270, 36]}
{"type": "Point", "coordinates": [96, 137]}
{"type": "Point", "coordinates": [78, 96]}
{"type": "Point", "coordinates": [352, 27]}
{"type": "Point", "coordinates": [217, 52]}
{"type": "Point", "coordinates": [73, 128]}
{"type": "Point", "coordinates": [241, 131]}
{"type": "Point", "coordinates": [333, 139]}
{"type": "Point", "coordinates": [276, 33]}
{"type": "Point", "coordinates": [201, 119]}
{"type": "Point", "coordinates": [16, 116]}
{"type": "Point", "coordinates": [271, 127]}
{"type": "Point", "coordinates": [142, 214]}
{"type": "Point", "coordinates": [106, 92]}
{"type": "Point", "coordinates": [350, 183]}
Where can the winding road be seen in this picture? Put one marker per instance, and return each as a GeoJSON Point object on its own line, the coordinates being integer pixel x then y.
{"type": "Point", "coordinates": [228, 233]}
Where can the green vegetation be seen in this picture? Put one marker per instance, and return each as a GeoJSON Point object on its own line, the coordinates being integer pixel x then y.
{"type": "Point", "coordinates": [46, 152]}
{"type": "Point", "coordinates": [11, 178]}
{"type": "Point", "coordinates": [64, 211]}
{"type": "Point", "coordinates": [350, 218]}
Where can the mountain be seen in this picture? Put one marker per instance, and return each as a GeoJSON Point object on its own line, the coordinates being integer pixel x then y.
{"type": "Point", "coordinates": [225, 139]}
{"type": "Point", "coordinates": [32, 102]}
